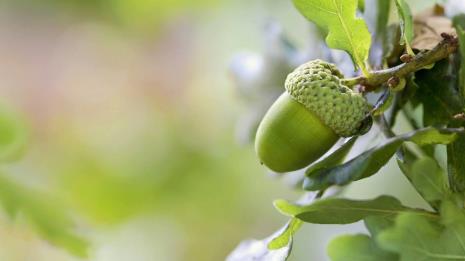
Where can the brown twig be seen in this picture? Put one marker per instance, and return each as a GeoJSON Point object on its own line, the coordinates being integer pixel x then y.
{"type": "Point", "coordinates": [447, 46]}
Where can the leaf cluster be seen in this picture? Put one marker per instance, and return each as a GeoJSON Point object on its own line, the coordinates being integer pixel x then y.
{"type": "Point", "coordinates": [432, 102]}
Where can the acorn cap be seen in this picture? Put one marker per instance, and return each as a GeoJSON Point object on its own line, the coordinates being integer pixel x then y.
{"type": "Point", "coordinates": [317, 85]}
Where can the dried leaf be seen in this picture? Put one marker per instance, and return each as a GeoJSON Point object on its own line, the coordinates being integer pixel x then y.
{"type": "Point", "coordinates": [428, 27]}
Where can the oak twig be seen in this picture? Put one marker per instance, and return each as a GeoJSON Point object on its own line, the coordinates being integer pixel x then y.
{"type": "Point", "coordinates": [447, 46]}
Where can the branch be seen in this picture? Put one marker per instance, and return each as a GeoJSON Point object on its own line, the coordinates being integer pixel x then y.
{"type": "Point", "coordinates": [447, 46]}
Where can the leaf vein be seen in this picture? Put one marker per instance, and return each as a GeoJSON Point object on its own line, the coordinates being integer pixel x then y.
{"type": "Point", "coordinates": [346, 31]}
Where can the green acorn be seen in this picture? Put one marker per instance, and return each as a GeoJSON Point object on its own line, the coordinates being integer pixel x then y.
{"type": "Point", "coordinates": [307, 120]}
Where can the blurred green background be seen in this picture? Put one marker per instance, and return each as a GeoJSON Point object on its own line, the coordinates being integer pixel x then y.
{"type": "Point", "coordinates": [131, 115]}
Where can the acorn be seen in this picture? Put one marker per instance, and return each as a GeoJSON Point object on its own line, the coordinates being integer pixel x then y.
{"type": "Point", "coordinates": [309, 117]}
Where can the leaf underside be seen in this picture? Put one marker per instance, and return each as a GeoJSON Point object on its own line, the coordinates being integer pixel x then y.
{"type": "Point", "coordinates": [369, 162]}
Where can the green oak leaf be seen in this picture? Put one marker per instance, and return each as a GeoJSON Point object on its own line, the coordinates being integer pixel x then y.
{"type": "Point", "coordinates": [415, 237]}
{"type": "Point", "coordinates": [370, 161]}
{"type": "Point", "coordinates": [448, 100]}
{"type": "Point", "coordinates": [428, 178]}
{"type": "Point", "coordinates": [406, 24]}
{"type": "Point", "coordinates": [345, 211]}
{"type": "Point", "coordinates": [362, 166]}
{"type": "Point", "coordinates": [454, 234]}
{"type": "Point", "coordinates": [456, 163]}
{"type": "Point", "coordinates": [430, 135]}
{"type": "Point", "coordinates": [438, 92]}
{"type": "Point", "coordinates": [357, 248]}
{"type": "Point", "coordinates": [345, 31]}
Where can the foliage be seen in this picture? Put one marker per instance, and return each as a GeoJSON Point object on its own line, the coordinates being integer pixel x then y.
{"type": "Point", "coordinates": [344, 211]}
{"type": "Point", "coordinates": [369, 162]}
{"type": "Point", "coordinates": [406, 24]}
{"type": "Point", "coordinates": [43, 213]}
{"type": "Point", "coordinates": [435, 86]}
{"type": "Point", "coordinates": [360, 247]}
{"type": "Point", "coordinates": [345, 30]}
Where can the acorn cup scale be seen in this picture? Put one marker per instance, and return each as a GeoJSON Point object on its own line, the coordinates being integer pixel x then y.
{"type": "Point", "coordinates": [309, 118]}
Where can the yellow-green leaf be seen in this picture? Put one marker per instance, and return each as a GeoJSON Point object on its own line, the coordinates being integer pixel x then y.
{"type": "Point", "coordinates": [406, 24]}
{"type": "Point", "coordinates": [358, 247]}
{"type": "Point", "coordinates": [345, 30]}
{"type": "Point", "coordinates": [415, 237]}
{"type": "Point", "coordinates": [345, 211]}
{"type": "Point", "coordinates": [284, 238]}
{"type": "Point", "coordinates": [429, 179]}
